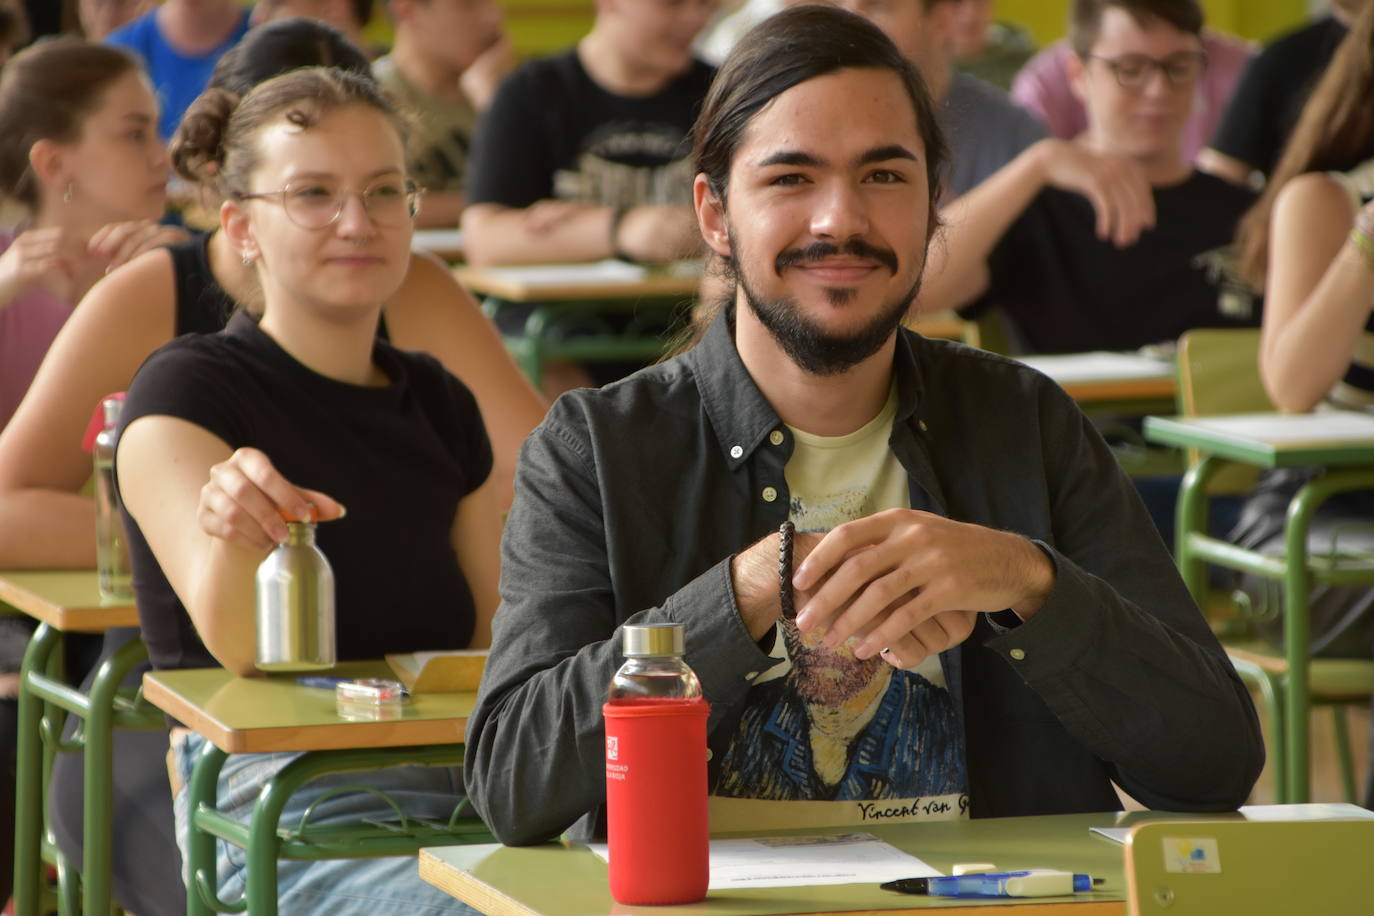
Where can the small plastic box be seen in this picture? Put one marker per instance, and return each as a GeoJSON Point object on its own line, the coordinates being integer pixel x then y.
{"type": "Point", "coordinates": [369, 699]}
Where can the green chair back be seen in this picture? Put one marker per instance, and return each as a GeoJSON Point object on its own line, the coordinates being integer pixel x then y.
{"type": "Point", "coordinates": [1218, 373]}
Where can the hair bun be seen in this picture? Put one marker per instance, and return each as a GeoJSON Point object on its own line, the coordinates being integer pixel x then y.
{"type": "Point", "coordinates": [198, 144]}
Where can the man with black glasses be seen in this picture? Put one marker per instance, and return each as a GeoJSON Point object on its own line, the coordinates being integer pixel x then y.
{"type": "Point", "coordinates": [1110, 241]}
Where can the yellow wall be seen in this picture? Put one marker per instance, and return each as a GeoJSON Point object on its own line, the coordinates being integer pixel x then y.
{"type": "Point", "coordinates": [1257, 20]}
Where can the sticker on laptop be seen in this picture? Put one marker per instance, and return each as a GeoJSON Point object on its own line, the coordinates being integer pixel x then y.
{"type": "Point", "coordinates": [1192, 856]}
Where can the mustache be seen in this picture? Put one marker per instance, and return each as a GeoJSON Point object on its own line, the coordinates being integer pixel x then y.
{"type": "Point", "coordinates": [819, 251]}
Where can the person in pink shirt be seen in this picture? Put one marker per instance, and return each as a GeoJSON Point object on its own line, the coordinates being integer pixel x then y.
{"type": "Point", "coordinates": [79, 152]}
{"type": "Point", "coordinates": [1042, 87]}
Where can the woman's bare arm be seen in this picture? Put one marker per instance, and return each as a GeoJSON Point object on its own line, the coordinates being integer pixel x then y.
{"type": "Point", "coordinates": [1318, 293]}
{"type": "Point", "coordinates": [45, 523]}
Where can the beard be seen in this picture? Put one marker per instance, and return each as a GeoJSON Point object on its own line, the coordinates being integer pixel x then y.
{"type": "Point", "coordinates": [805, 342]}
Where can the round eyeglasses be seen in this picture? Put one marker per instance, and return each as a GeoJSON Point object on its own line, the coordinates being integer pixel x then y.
{"type": "Point", "coordinates": [1133, 71]}
{"type": "Point", "coordinates": [316, 204]}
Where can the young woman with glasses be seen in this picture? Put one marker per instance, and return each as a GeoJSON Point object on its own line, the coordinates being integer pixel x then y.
{"type": "Point", "coordinates": [302, 411]}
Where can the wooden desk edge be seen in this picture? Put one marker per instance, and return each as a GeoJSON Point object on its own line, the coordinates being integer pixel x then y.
{"type": "Point", "coordinates": [462, 886]}
{"type": "Point", "coordinates": [1122, 389]}
{"type": "Point", "coordinates": [321, 737]}
{"type": "Point", "coordinates": [85, 619]}
{"type": "Point", "coordinates": [475, 280]}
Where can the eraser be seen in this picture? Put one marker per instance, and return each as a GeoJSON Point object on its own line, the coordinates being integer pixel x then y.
{"type": "Point", "coordinates": [971, 868]}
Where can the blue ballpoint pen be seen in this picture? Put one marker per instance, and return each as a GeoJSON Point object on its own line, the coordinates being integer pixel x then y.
{"type": "Point", "coordinates": [1037, 883]}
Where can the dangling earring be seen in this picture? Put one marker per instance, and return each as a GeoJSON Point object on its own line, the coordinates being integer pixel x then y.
{"type": "Point", "coordinates": [247, 259]}
{"type": "Point", "coordinates": [67, 195]}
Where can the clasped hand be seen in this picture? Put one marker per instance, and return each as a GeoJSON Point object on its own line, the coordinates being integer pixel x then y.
{"type": "Point", "coordinates": [908, 584]}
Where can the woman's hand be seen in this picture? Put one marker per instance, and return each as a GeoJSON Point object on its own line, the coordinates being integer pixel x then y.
{"type": "Point", "coordinates": [118, 243]}
{"type": "Point", "coordinates": [36, 258]}
{"type": "Point", "coordinates": [247, 500]}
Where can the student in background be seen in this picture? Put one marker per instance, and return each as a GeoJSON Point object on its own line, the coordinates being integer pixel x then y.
{"type": "Point", "coordinates": [991, 50]}
{"type": "Point", "coordinates": [1270, 97]}
{"type": "Point", "coordinates": [301, 409]}
{"type": "Point", "coordinates": [1309, 242]}
{"type": "Point", "coordinates": [984, 128]}
{"type": "Point", "coordinates": [79, 152]}
{"type": "Point", "coordinates": [179, 42]}
{"type": "Point", "coordinates": [44, 521]}
{"type": "Point", "coordinates": [583, 156]}
{"type": "Point", "coordinates": [1043, 87]}
{"type": "Point", "coordinates": [445, 64]}
{"type": "Point", "coordinates": [1102, 243]}
{"type": "Point", "coordinates": [348, 16]}
{"type": "Point", "coordinates": [99, 18]}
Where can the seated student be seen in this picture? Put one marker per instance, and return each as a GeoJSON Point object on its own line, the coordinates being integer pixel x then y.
{"type": "Point", "coordinates": [985, 617]}
{"type": "Point", "coordinates": [1269, 99]}
{"type": "Point", "coordinates": [445, 64]}
{"type": "Point", "coordinates": [1044, 87]}
{"type": "Point", "coordinates": [584, 155]}
{"type": "Point", "coordinates": [984, 128]}
{"type": "Point", "coordinates": [179, 42]}
{"type": "Point", "coordinates": [348, 16]}
{"type": "Point", "coordinates": [992, 50]}
{"type": "Point", "coordinates": [1310, 242]}
{"type": "Point", "coordinates": [44, 522]}
{"type": "Point", "coordinates": [79, 154]}
{"type": "Point", "coordinates": [303, 410]}
{"type": "Point", "coordinates": [1107, 242]}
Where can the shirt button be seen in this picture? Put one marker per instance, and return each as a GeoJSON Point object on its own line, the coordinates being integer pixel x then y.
{"type": "Point", "coordinates": [922, 424]}
{"type": "Point", "coordinates": [736, 451]}
{"type": "Point", "coordinates": [775, 437]}
{"type": "Point", "coordinates": [769, 494]}
{"type": "Point", "coordinates": [1018, 654]}
{"type": "Point", "coordinates": [751, 675]}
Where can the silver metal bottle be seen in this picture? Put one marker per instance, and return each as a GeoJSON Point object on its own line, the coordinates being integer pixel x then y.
{"type": "Point", "coordinates": [295, 592]}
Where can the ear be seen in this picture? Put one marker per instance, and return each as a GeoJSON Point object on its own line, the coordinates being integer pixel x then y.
{"type": "Point", "coordinates": [710, 216]}
{"type": "Point", "coordinates": [47, 159]}
{"type": "Point", "coordinates": [233, 219]}
{"type": "Point", "coordinates": [1076, 71]}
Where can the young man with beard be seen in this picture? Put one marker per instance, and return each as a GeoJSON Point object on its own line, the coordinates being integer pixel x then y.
{"type": "Point", "coordinates": [981, 598]}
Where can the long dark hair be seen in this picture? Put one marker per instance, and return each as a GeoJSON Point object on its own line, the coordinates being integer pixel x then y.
{"type": "Point", "coordinates": [785, 50]}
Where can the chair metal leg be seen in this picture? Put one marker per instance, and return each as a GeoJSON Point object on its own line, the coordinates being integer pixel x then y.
{"type": "Point", "coordinates": [97, 856]}
{"type": "Point", "coordinates": [202, 884]}
{"type": "Point", "coordinates": [29, 776]}
{"type": "Point", "coordinates": [1192, 518]}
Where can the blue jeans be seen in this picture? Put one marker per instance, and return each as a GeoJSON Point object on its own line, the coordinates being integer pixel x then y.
{"type": "Point", "coordinates": [338, 887]}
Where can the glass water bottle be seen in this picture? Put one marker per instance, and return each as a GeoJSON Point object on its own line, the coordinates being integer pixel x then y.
{"type": "Point", "coordinates": [111, 548]}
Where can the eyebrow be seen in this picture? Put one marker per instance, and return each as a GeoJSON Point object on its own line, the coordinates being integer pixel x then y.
{"type": "Point", "coordinates": [138, 117]}
{"type": "Point", "coordinates": [867, 157]}
{"type": "Point", "coordinates": [317, 175]}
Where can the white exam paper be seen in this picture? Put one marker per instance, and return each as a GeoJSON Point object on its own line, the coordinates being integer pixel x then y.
{"type": "Point", "coordinates": [795, 861]}
{"type": "Point", "coordinates": [1313, 811]}
{"type": "Point", "coordinates": [1329, 426]}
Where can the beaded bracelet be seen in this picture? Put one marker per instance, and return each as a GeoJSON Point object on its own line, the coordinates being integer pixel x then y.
{"type": "Point", "coordinates": [785, 532]}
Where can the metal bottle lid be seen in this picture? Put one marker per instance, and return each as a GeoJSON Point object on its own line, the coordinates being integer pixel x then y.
{"type": "Point", "coordinates": [652, 639]}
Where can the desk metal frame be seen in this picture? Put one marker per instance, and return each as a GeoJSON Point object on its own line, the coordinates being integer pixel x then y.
{"type": "Point", "coordinates": [1350, 468]}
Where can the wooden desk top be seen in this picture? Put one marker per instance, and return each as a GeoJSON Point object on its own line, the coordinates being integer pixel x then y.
{"type": "Point", "coordinates": [1095, 377]}
{"type": "Point", "coordinates": [1333, 439]}
{"type": "Point", "coordinates": [578, 282]}
{"type": "Point", "coordinates": [253, 714]}
{"type": "Point", "coordinates": [65, 599]}
{"type": "Point", "coordinates": [559, 880]}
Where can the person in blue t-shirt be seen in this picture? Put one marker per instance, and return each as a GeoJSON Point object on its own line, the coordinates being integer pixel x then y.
{"type": "Point", "coordinates": [180, 42]}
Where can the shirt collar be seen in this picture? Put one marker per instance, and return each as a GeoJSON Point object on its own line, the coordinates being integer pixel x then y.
{"type": "Point", "coordinates": [739, 413]}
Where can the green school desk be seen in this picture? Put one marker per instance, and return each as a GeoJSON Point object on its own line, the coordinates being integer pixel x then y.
{"type": "Point", "coordinates": [569, 880]}
{"type": "Point", "coordinates": [260, 714]}
{"type": "Point", "coordinates": [68, 601]}
{"type": "Point", "coordinates": [1344, 444]}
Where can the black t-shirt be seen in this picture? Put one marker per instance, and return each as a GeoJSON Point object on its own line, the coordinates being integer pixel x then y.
{"type": "Point", "coordinates": [1266, 104]}
{"type": "Point", "coordinates": [400, 457]}
{"type": "Point", "coordinates": [1066, 291]}
{"type": "Point", "coordinates": [552, 132]}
